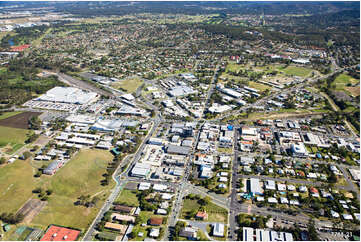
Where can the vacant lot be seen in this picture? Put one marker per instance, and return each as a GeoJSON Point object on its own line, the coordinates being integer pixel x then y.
{"type": "Point", "coordinates": [80, 176]}
{"type": "Point", "coordinates": [12, 139]}
{"type": "Point", "coordinates": [128, 197]}
{"type": "Point", "coordinates": [128, 85]}
{"type": "Point", "coordinates": [16, 184]}
{"type": "Point", "coordinates": [20, 121]}
{"type": "Point", "coordinates": [215, 212]}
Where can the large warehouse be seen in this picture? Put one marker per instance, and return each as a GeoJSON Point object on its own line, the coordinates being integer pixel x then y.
{"type": "Point", "coordinates": [68, 95]}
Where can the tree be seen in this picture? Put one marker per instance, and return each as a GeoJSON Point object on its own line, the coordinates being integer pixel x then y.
{"type": "Point", "coordinates": [26, 155]}
{"type": "Point", "coordinates": [312, 230]}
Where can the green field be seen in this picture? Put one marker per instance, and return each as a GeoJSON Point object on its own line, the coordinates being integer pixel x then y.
{"type": "Point", "coordinates": [296, 71]}
{"type": "Point", "coordinates": [215, 212]}
{"type": "Point", "coordinates": [16, 184]}
{"type": "Point", "coordinates": [259, 86]}
{"type": "Point", "coordinates": [8, 114]}
{"type": "Point", "coordinates": [129, 85]}
{"type": "Point", "coordinates": [347, 84]}
{"type": "Point", "coordinates": [80, 176]}
{"type": "Point", "coordinates": [128, 197]}
{"type": "Point", "coordinates": [12, 137]}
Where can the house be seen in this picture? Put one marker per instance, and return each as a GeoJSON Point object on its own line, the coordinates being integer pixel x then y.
{"type": "Point", "coordinates": [124, 209]}
{"type": "Point", "coordinates": [272, 200]}
{"type": "Point", "coordinates": [122, 217]}
{"type": "Point", "coordinates": [155, 221]}
{"type": "Point", "coordinates": [166, 196]}
{"type": "Point", "coordinates": [154, 232]}
{"type": "Point", "coordinates": [189, 232]}
{"type": "Point", "coordinates": [218, 230]}
{"type": "Point", "coordinates": [302, 189]}
{"type": "Point", "coordinates": [335, 214]}
{"type": "Point", "coordinates": [161, 211]}
{"type": "Point", "coordinates": [347, 216]}
{"type": "Point", "coordinates": [270, 185]}
{"type": "Point", "coordinates": [202, 215]}
{"type": "Point", "coordinates": [281, 187]}
{"type": "Point", "coordinates": [117, 227]}
{"type": "Point", "coordinates": [291, 188]}
{"type": "Point", "coordinates": [284, 200]}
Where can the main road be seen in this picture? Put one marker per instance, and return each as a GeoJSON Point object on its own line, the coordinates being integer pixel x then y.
{"type": "Point", "coordinates": [119, 182]}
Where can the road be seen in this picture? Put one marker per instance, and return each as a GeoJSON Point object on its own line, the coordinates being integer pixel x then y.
{"type": "Point", "coordinates": [119, 183]}
{"type": "Point", "coordinates": [71, 81]}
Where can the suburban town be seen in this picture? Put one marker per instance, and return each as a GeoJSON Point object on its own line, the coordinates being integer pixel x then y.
{"type": "Point", "coordinates": [174, 121]}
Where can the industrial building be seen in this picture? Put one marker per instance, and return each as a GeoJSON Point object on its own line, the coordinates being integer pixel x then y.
{"type": "Point", "coordinates": [250, 234]}
{"type": "Point", "coordinates": [141, 170]}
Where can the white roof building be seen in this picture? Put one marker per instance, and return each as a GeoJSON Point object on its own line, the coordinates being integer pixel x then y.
{"type": "Point", "coordinates": [218, 230]}
{"type": "Point", "coordinates": [68, 95]}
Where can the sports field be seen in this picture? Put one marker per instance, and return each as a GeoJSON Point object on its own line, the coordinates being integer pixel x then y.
{"type": "Point", "coordinates": [80, 176]}
{"type": "Point", "coordinates": [296, 71]}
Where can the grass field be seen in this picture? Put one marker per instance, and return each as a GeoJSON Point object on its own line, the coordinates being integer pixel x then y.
{"type": "Point", "coordinates": [128, 197]}
{"type": "Point", "coordinates": [296, 71]}
{"type": "Point", "coordinates": [341, 82]}
{"type": "Point", "coordinates": [13, 137]}
{"type": "Point", "coordinates": [259, 86]}
{"type": "Point", "coordinates": [80, 176]}
{"type": "Point", "coordinates": [215, 212]}
{"type": "Point", "coordinates": [16, 184]}
{"type": "Point", "coordinates": [8, 114]}
{"type": "Point", "coordinates": [129, 85]}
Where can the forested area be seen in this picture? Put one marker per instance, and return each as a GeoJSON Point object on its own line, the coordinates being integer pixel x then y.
{"type": "Point", "coordinates": [19, 82]}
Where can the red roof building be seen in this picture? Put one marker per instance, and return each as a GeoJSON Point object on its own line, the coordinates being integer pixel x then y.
{"type": "Point", "coordinates": [19, 48]}
{"type": "Point", "coordinates": [202, 215]}
{"type": "Point", "coordinates": [56, 233]}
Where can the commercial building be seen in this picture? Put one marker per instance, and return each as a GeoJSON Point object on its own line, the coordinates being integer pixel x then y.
{"type": "Point", "coordinates": [218, 230]}
{"type": "Point", "coordinates": [254, 186]}
{"type": "Point", "coordinates": [141, 170]}
{"type": "Point", "coordinates": [57, 233]}
{"type": "Point", "coordinates": [176, 149]}
{"type": "Point", "coordinates": [250, 234]}
{"type": "Point", "coordinates": [298, 149]}
{"type": "Point", "coordinates": [68, 95]}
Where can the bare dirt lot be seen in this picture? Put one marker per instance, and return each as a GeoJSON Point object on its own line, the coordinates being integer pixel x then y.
{"type": "Point", "coordinates": [31, 208]}
{"type": "Point", "coordinates": [19, 121]}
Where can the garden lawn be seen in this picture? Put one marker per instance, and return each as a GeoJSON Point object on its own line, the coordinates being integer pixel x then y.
{"type": "Point", "coordinates": [128, 197]}
{"type": "Point", "coordinates": [80, 176]}
{"type": "Point", "coordinates": [16, 185]}
{"type": "Point", "coordinates": [215, 212]}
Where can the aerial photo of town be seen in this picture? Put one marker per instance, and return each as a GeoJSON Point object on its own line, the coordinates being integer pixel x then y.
{"type": "Point", "coordinates": [178, 121]}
